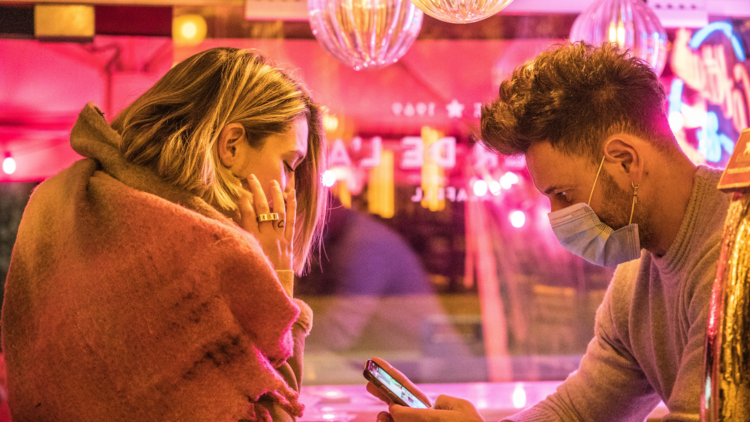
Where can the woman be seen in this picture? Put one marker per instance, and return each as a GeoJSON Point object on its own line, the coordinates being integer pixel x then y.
{"type": "Point", "coordinates": [142, 283]}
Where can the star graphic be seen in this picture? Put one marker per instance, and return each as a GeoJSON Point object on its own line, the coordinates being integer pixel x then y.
{"type": "Point", "coordinates": [455, 109]}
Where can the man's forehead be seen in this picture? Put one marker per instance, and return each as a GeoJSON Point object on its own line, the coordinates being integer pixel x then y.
{"type": "Point", "coordinates": [550, 167]}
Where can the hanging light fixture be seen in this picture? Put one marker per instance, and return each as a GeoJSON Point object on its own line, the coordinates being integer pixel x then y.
{"type": "Point", "coordinates": [365, 34]}
{"type": "Point", "coordinates": [631, 24]}
{"type": "Point", "coordinates": [461, 11]}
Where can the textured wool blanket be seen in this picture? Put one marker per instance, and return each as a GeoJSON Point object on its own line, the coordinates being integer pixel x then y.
{"type": "Point", "coordinates": [128, 299]}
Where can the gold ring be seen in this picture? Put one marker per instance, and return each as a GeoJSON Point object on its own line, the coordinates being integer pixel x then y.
{"type": "Point", "coordinates": [268, 217]}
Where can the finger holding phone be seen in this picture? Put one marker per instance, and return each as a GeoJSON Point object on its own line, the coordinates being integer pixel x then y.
{"type": "Point", "coordinates": [446, 408]}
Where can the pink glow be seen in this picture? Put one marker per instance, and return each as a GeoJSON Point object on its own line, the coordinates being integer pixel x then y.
{"type": "Point", "coordinates": [9, 164]}
{"type": "Point", "coordinates": [333, 393]}
{"type": "Point", "coordinates": [676, 121]}
{"type": "Point", "coordinates": [519, 397]}
{"type": "Point", "coordinates": [329, 178]}
{"type": "Point", "coordinates": [495, 187]}
{"type": "Point", "coordinates": [480, 187]}
{"type": "Point", "coordinates": [45, 85]}
{"type": "Point", "coordinates": [508, 180]}
{"type": "Point", "coordinates": [517, 219]}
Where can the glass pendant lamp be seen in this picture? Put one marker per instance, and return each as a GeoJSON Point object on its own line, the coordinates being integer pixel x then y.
{"type": "Point", "coordinates": [461, 11]}
{"type": "Point", "coordinates": [365, 34]}
{"type": "Point", "coordinates": [629, 23]}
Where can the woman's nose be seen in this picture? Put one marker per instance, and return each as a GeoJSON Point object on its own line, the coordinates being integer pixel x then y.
{"type": "Point", "coordinates": [289, 184]}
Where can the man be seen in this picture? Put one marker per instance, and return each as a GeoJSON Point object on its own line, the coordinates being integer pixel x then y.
{"type": "Point", "coordinates": [592, 126]}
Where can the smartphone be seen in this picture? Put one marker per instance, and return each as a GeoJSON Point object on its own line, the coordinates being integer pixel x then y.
{"type": "Point", "coordinates": [390, 387]}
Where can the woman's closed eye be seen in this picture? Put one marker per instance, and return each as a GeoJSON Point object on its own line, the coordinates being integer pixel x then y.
{"type": "Point", "coordinates": [288, 167]}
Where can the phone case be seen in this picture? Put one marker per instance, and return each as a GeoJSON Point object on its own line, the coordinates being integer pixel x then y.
{"type": "Point", "coordinates": [383, 389]}
{"type": "Point", "coordinates": [396, 399]}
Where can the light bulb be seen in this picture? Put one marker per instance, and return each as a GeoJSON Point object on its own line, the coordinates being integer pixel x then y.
{"type": "Point", "coordinates": [495, 187]}
{"type": "Point", "coordinates": [189, 30]}
{"type": "Point", "coordinates": [329, 178]}
{"type": "Point", "coordinates": [519, 397]}
{"type": "Point", "coordinates": [508, 179]}
{"type": "Point", "coordinates": [9, 164]}
{"type": "Point", "coordinates": [480, 187]}
{"type": "Point", "coordinates": [517, 219]}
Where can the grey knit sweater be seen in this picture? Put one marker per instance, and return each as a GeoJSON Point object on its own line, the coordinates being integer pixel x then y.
{"type": "Point", "coordinates": [650, 329]}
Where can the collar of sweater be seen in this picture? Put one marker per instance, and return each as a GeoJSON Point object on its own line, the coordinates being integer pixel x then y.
{"type": "Point", "coordinates": [93, 137]}
{"type": "Point", "coordinates": [704, 187]}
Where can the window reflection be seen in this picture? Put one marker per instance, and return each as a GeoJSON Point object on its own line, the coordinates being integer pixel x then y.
{"type": "Point", "coordinates": [396, 288]}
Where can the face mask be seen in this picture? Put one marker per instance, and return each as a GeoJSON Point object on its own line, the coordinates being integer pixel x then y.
{"type": "Point", "coordinates": [580, 231]}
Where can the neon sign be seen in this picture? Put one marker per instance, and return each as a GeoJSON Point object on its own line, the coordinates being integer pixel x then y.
{"type": "Point", "coordinates": [724, 89]}
{"type": "Point", "coordinates": [442, 152]}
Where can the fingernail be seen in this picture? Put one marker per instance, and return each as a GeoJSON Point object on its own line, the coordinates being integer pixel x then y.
{"type": "Point", "coordinates": [253, 176]}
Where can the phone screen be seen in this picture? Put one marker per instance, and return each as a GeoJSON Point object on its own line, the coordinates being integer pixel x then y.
{"type": "Point", "coordinates": [379, 376]}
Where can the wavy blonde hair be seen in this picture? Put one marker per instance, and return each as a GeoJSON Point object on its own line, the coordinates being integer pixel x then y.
{"type": "Point", "coordinates": [173, 129]}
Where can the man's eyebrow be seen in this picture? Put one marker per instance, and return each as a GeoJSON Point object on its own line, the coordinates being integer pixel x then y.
{"type": "Point", "coordinates": [552, 189]}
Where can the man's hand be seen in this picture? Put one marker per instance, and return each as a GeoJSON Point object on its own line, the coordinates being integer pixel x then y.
{"type": "Point", "coordinates": [446, 408]}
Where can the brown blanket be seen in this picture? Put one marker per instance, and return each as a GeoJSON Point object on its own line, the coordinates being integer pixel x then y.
{"type": "Point", "coordinates": [128, 299]}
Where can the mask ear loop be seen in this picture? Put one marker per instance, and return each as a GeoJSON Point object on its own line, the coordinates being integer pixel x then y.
{"type": "Point", "coordinates": [591, 195]}
{"type": "Point", "coordinates": [635, 200]}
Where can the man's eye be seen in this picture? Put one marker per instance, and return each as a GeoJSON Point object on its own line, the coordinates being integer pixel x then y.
{"type": "Point", "coordinates": [563, 195]}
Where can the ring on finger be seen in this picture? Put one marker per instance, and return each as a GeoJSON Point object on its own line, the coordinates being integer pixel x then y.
{"type": "Point", "coordinates": [271, 216]}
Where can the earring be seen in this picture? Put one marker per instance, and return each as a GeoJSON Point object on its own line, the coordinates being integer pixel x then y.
{"type": "Point", "coordinates": [635, 200]}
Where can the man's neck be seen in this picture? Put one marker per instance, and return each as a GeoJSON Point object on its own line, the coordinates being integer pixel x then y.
{"type": "Point", "coordinates": [672, 190]}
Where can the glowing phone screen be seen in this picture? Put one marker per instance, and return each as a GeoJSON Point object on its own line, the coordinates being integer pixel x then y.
{"type": "Point", "coordinates": [396, 388]}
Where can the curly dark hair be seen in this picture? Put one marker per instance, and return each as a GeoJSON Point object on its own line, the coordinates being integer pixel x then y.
{"type": "Point", "coordinates": [575, 96]}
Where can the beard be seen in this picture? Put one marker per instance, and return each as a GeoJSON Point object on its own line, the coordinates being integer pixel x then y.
{"type": "Point", "coordinates": [616, 212]}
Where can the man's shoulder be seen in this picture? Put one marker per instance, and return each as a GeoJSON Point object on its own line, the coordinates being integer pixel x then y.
{"type": "Point", "coordinates": [616, 307]}
{"type": "Point", "coordinates": [624, 280]}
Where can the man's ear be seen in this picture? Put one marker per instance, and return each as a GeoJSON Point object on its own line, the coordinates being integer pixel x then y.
{"type": "Point", "coordinates": [621, 150]}
{"type": "Point", "coordinates": [229, 139]}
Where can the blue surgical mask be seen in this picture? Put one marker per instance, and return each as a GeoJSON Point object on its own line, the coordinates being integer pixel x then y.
{"type": "Point", "coordinates": [580, 231]}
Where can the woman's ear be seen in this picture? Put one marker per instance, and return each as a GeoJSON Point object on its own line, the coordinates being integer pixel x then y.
{"type": "Point", "coordinates": [229, 139]}
{"type": "Point", "coordinates": [621, 150]}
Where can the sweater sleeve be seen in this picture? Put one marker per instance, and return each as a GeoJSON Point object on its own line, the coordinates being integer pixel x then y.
{"type": "Point", "coordinates": [608, 386]}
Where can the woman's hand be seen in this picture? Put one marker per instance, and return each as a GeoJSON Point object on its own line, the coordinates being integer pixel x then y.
{"type": "Point", "coordinates": [275, 237]}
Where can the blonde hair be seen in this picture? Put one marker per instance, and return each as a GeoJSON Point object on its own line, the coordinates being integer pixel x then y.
{"type": "Point", "coordinates": [174, 126]}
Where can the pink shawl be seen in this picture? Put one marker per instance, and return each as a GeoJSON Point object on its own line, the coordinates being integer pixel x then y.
{"type": "Point", "coordinates": [128, 299]}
